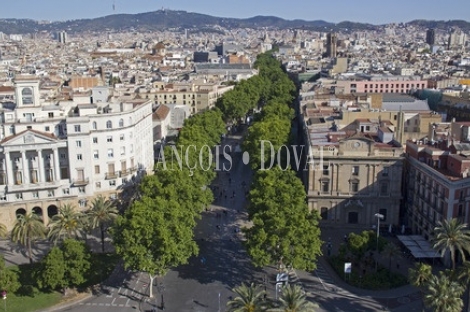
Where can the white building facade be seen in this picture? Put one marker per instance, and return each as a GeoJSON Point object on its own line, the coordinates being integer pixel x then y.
{"type": "Point", "coordinates": [68, 153]}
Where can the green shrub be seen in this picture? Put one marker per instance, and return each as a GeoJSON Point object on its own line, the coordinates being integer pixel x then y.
{"type": "Point", "coordinates": [381, 280]}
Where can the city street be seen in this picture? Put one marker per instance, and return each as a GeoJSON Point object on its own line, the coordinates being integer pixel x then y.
{"type": "Point", "coordinates": [205, 283]}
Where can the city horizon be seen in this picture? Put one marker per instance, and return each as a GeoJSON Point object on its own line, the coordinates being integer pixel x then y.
{"type": "Point", "coordinates": [367, 11]}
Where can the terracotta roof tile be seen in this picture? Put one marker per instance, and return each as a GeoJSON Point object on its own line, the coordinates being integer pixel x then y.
{"type": "Point", "coordinates": [161, 112]}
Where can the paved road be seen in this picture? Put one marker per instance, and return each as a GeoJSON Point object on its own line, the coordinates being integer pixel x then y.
{"type": "Point", "coordinates": [205, 283]}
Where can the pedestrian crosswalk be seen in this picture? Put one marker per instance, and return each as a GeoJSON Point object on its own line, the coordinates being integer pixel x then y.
{"type": "Point", "coordinates": [323, 276]}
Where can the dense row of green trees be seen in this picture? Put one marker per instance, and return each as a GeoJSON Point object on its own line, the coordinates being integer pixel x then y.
{"type": "Point", "coordinates": [283, 230]}
{"type": "Point", "coordinates": [273, 124]}
{"type": "Point", "coordinates": [156, 232]}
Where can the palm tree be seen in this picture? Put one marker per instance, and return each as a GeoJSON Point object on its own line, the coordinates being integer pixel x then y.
{"type": "Point", "coordinates": [68, 223]}
{"type": "Point", "coordinates": [420, 276]}
{"type": "Point", "coordinates": [26, 230]}
{"type": "Point", "coordinates": [443, 294]}
{"type": "Point", "coordinates": [249, 299]}
{"type": "Point", "coordinates": [101, 214]}
{"type": "Point", "coordinates": [452, 236]}
{"type": "Point", "coordinates": [293, 299]}
{"type": "Point", "coordinates": [390, 250]}
{"type": "Point", "coordinates": [464, 276]}
{"type": "Point", "coordinates": [3, 231]}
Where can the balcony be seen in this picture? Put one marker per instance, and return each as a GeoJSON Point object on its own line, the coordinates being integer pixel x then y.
{"type": "Point", "coordinates": [80, 181]}
{"type": "Point", "coordinates": [126, 172]}
{"type": "Point", "coordinates": [112, 175]}
{"type": "Point", "coordinates": [35, 186]}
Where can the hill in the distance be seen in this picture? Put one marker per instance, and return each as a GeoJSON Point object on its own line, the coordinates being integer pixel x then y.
{"type": "Point", "coordinates": [169, 19]}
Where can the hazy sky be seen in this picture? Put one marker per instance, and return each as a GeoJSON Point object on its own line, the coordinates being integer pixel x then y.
{"type": "Point", "coordinates": [372, 11]}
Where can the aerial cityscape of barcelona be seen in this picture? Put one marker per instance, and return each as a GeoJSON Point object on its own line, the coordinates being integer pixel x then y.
{"type": "Point", "coordinates": [244, 156]}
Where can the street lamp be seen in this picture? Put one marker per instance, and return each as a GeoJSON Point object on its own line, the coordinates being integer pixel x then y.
{"type": "Point", "coordinates": [219, 302]}
{"type": "Point", "coordinates": [379, 217]}
{"type": "Point", "coordinates": [4, 297]}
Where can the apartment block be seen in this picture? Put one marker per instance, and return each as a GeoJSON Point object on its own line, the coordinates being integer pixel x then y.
{"type": "Point", "coordinates": [68, 153]}
{"type": "Point", "coordinates": [436, 178]}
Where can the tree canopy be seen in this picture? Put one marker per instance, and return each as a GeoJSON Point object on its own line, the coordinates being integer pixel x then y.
{"type": "Point", "coordinates": [65, 266]}
{"type": "Point", "coordinates": [154, 235]}
{"type": "Point", "coordinates": [283, 230]}
{"type": "Point", "coordinates": [8, 278]}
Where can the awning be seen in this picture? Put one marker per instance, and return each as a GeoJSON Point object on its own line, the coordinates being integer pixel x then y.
{"type": "Point", "coordinates": [418, 246]}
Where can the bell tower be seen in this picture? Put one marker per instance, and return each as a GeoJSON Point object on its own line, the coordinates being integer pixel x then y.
{"type": "Point", "coordinates": [27, 91]}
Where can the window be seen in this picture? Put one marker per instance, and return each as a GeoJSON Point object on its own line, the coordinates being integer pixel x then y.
{"type": "Point", "coordinates": [109, 124]}
{"type": "Point", "coordinates": [95, 140]}
{"type": "Point", "coordinates": [35, 194]}
{"type": "Point", "coordinates": [47, 129]}
{"type": "Point", "coordinates": [110, 152]}
{"type": "Point", "coordinates": [34, 176]}
{"type": "Point", "coordinates": [77, 128]}
{"type": "Point", "coordinates": [81, 189]}
{"type": "Point", "coordinates": [79, 157]}
{"type": "Point", "coordinates": [64, 172]}
{"type": "Point", "coordinates": [384, 188]}
{"type": "Point", "coordinates": [383, 212]}
{"type": "Point", "coordinates": [27, 96]}
{"type": "Point", "coordinates": [18, 178]}
{"type": "Point", "coordinates": [96, 154]}
{"type": "Point", "coordinates": [12, 129]}
{"type": "Point", "coordinates": [66, 191]}
{"type": "Point", "coordinates": [50, 193]}
{"type": "Point", "coordinates": [94, 125]}
{"type": "Point", "coordinates": [19, 195]}
{"type": "Point", "coordinates": [324, 213]}
{"type": "Point", "coordinates": [325, 186]}
{"type": "Point", "coordinates": [98, 184]}
{"type": "Point", "coordinates": [385, 171]}
{"type": "Point", "coordinates": [326, 170]}
{"type": "Point", "coordinates": [121, 137]}
{"type": "Point", "coordinates": [82, 203]}
{"type": "Point", "coordinates": [109, 139]}
{"type": "Point", "coordinates": [112, 182]}
{"type": "Point", "coordinates": [62, 156]}
{"type": "Point", "coordinates": [97, 169]}
{"type": "Point", "coordinates": [354, 187]}
{"type": "Point", "coordinates": [79, 143]}
{"type": "Point", "coordinates": [460, 211]}
{"type": "Point", "coordinates": [123, 150]}
{"type": "Point", "coordinates": [50, 115]}
{"type": "Point", "coordinates": [121, 123]}
{"type": "Point", "coordinates": [355, 170]}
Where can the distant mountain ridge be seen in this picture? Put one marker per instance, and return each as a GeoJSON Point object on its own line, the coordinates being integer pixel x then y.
{"type": "Point", "coordinates": [169, 19]}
